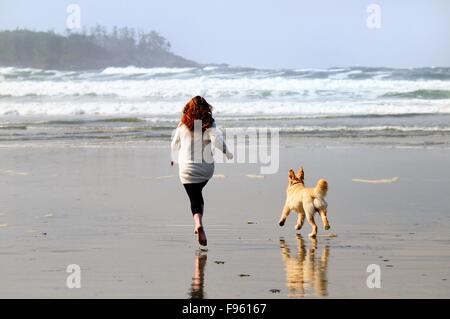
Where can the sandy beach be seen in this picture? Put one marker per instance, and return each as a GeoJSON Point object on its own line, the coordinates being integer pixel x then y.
{"type": "Point", "coordinates": [120, 213]}
{"type": "Point", "coordinates": [98, 99]}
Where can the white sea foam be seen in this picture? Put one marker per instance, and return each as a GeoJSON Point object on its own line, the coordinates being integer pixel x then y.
{"type": "Point", "coordinates": [222, 108]}
{"type": "Point", "coordinates": [210, 68]}
{"type": "Point", "coordinates": [149, 71]}
{"type": "Point", "coordinates": [309, 129]}
{"type": "Point", "coordinates": [231, 86]}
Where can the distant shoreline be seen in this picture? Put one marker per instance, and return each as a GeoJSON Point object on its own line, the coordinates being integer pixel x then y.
{"type": "Point", "coordinates": [93, 50]}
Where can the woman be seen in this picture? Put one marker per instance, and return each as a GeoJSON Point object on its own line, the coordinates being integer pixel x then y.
{"type": "Point", "coordinates": [196, 165]}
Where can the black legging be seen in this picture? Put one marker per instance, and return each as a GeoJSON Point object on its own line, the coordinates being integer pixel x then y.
{"type": "Point", "coordinates": [194, 191]}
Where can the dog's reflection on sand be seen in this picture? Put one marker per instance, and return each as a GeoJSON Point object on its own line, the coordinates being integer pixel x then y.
{"type": "Point", "coordinates": [306, 273]}
{"type": "Point", "coordinates": [197, 285]}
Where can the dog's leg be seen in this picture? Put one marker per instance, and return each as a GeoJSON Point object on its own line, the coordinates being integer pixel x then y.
{"type": "Point", "coordinates": [313, 225]}
{"type": "Point", "coordinates": [323, 215]}
{"type": "Point", "coordinates": [309, 211]}
{"type": "Point", "coordinates": [284, 215]}
{"type": "Point", "coordinates": [301, 219]}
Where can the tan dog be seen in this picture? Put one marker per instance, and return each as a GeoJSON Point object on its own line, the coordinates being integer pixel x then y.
{"type": "Point", "coordinates": [305, 201]}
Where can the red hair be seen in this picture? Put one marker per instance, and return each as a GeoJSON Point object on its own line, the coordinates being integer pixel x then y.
{"type": "Point", "coordinates": [197, 109]}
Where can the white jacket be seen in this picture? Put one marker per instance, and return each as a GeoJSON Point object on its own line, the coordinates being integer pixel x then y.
{"type": "Point", "coordinates": [196, 166]}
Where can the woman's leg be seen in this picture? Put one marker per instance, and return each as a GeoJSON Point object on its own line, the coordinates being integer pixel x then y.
{"type": "Point", "coordinates": [194, 192]}
{"type": "Point", "coordinates": [198, 216]}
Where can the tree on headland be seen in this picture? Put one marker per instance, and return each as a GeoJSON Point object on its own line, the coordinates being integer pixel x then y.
{"type": "Point", "coordinates": [90, 49]}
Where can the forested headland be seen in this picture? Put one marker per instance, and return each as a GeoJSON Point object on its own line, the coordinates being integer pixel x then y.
{"type": "Point", "coordinates": [93, 49]}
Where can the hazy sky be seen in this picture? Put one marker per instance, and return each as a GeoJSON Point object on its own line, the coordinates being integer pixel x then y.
{"type": "Point", "coordinates": [266, 34]}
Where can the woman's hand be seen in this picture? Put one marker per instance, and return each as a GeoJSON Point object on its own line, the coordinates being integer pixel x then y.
{"type": "Point", "coordinates": [229, 155]}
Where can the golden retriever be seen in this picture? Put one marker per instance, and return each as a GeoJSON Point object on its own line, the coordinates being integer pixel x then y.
{"type": "Point", "coordinates": [305, 201]}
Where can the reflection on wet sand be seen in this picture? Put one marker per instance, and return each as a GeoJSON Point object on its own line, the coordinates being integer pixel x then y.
{"type": "Point", "coordinates": [305, 272]}
{"type": "Point", "coordinates": [197, 285]}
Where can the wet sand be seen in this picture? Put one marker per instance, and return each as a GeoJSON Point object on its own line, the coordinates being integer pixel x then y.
{"type": "Point", "coordinates": [121, 214]}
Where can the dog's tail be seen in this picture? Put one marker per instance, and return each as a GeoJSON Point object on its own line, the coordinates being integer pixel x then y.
{"type": "Point", "coordinates": [321, 188]}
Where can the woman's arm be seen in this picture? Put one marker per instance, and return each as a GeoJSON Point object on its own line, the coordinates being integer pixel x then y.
{"type": "Point", "coordinates": [176, 140]}
{"type": "Point", "coordinates": [217, 141]}
{"type": "Point", "coordinates": [175, 144]}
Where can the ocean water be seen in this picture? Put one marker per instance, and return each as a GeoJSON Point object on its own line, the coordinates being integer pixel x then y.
{"type": "Point", "coordinates": [126, 104]}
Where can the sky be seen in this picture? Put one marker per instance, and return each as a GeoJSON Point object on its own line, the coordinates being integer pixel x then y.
{"type": "Point", "coordinates": [266, 34]}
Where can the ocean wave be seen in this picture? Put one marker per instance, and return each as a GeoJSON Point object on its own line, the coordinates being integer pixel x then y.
{"type": "Point", "coordinates": [337, 129]}
{"type": "Point", "coordinates": [224, 84]}
{"type": "Point", "coordinates": [78, 121]}
{"type": "Point", "coordinates": [132, 70]}
{"type": "Point", "coordinates": [385, 128]}
{"type": "Point", "coordinates": [13, 127]}
{"type": "Point", "coordinates": [259, 108]}
{"type": "Point", "coordinates": [177, 89]}
{"type": "Point", "coordinates": [50, 95]}
{"type": "Point", "coordinates": [419, 94]}
{"type": "Point", "coordinates": [291, 117]}
{"type": "Point", "coordinates": [224, 71]}
{"type": "Point", "coordinates": [133, 103]}
{"type": "Point", "coordinates": [133, 133]}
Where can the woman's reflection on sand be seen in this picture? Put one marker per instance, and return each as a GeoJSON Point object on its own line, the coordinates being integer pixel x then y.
{"type": "Point", "coordinates": [197, 285]}
{"type": "Point", "coordinates": [305, 272]}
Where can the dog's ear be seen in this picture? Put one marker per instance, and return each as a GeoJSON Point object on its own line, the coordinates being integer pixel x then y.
{"type": "Point", "coordinates": [291, 174]}
{"type": "Point", "coordinates": [301, 173]}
